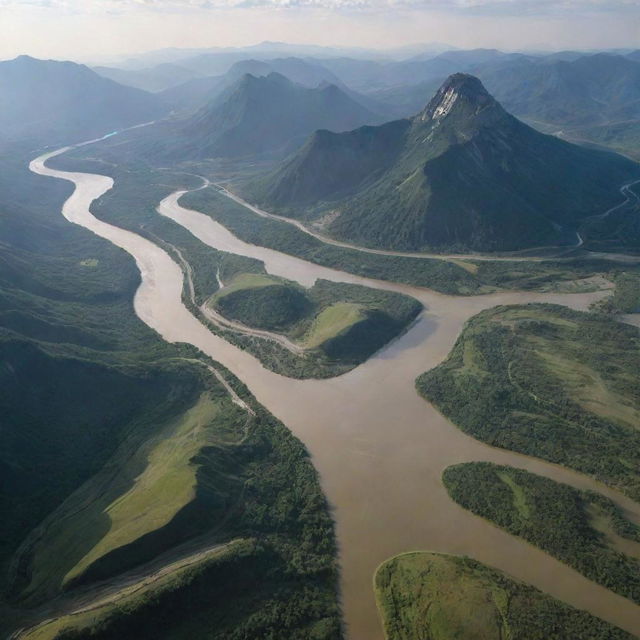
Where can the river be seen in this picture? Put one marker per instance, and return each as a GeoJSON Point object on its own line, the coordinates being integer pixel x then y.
{"type": "Point", "coordinates": [379, 448]}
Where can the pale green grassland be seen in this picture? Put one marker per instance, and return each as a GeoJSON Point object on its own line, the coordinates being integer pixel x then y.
{"type": "Point", "coordinates": [429, 596]}
{"type": "Point", "coordinates": [331, 322]}
{"type": "Point", "coordinates": [550, 382]}
{"type": "Point", "coordinates": [121, 506]}
{"type": "Point", "coordinates": [245, 281]}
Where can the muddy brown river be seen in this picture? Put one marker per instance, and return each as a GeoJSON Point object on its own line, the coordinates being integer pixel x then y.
{"type": "Point", "coordinates": [379, 448]}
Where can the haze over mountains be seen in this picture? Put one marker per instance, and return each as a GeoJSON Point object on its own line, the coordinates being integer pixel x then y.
{"type": "Point", "coordinates": [266, 113]}
{"type": "Point", "coordinates": [197, 92]}
{"type": "Point", "coordinates": [266, 107]}
{"type": "Point", "coordinates": [590, 90]}
{"type": "Point", "coordinates": [461, 174]}
{"type": "Point", "coordinates": [63, 102]}
{"type": "Point", "coordinates": [217, 60]}
{"type": "Point", "coordinates": [582, 96]}
{"type": "Point", "coordinates": [250, 117]}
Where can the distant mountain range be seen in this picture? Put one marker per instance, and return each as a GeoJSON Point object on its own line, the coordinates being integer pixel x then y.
{"type": "Point", "coordinates": [590, 90]}
{"type": "Point", "coordinates": [308, 73]}
{"type": "Point", "coordinates": [254, 116]}
{"type": "Point", "coordinates": [184, 90]}
{"type": "Point", "coordinates": [196, 92]}
{"type": "Point", "coordinates": [45, 101]}
{"type": "Point", "coordinates": [264, 114]}
{"type": "Point", "coordinates": [154, 79]}
{"type": "Point", "coordinates": [267, 50]}
{"type": "Point", "coordinates": [580, 96]}
{"type": "Point", "coordinates": [461, 174]}
{"type": "Point", "coordinates": [584, 97]}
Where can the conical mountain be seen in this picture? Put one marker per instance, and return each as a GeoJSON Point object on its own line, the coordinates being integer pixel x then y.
{"type": "Point", "coordinates": [462, 174]}
{"type": "Point", "coordinates": [265, 114]}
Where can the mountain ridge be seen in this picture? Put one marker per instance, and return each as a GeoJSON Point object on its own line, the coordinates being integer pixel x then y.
{"type": "Point", "coordinates": [264, 114]}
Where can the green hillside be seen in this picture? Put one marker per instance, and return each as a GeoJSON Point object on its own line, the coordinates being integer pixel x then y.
{"type": "Point", "coordinates": [258, 115]}
{"type": "Point", "coordinates": [58, 432]}
{"type": "Point", "coordinates": [267, 304]}
{"type": "Point", "coordinates": [440, 597]}
{"type": "Point", "coordinates": [252, 116]}
{"type": "Point", "coordinates": [462, 174]}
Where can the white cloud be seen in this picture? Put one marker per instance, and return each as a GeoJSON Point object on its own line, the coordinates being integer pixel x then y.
{"type": "Point", "coordinates": [488, 7]}
{"type": "Point", "coordinates": [101, 29]}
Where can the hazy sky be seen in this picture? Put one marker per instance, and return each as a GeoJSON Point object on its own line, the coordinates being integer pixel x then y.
{"type": "Point", "coordinates": [85, 29]}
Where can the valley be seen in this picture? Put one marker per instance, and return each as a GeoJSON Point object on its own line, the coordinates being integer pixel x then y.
{"type": "Point", "coordinates": [358, 439]}
{"type": "Point", "coordinates": [338, 344]}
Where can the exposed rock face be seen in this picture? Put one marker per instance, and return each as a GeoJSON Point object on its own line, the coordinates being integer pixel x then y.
{"type": "Point", "coordinates": [458, 86]}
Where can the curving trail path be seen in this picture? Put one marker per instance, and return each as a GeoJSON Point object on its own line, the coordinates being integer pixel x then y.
{"type": "Point", "coordinates": [221, 321]}
{"type": "Point", "coordinates": [379, 448]}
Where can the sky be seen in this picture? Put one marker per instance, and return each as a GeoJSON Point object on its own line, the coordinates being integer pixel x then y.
{"type": "Point", "coordinates": [92, 30]}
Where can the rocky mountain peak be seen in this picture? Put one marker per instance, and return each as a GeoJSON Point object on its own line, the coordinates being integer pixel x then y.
{"type": "Point", "coordinates": [457, 90]}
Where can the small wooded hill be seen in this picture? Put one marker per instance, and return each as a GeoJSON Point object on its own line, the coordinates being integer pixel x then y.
{"type": "Point", "coordinates": [337, 325]}
{"type": "Point", "coordinates": [47, 101]}
{"type": "Point", "coordinates": [461, 174]}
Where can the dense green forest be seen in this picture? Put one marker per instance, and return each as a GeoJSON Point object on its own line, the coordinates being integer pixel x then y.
{"type": "Point", "coordinates": [443, 276]}
{"type": "Point", "coordinates": [424, 596]}
{"type": "Point", "coordinates": [626, 296]}
{"type": "Point", "coordinates": [581, 528]}
{"type": "Point", "coordinates": [456, 277]}
{"type": "Point", "coordinates": [550, 382]}
{"type": "Point", "coordinates": [100, 416]}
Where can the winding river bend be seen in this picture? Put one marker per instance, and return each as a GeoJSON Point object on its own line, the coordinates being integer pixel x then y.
{"type": "Point", "coordinates": [379, 448]}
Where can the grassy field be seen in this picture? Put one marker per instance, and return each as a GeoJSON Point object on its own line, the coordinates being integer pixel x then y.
{"type": "Point", "coordinates": [242, 281]}
{"type": "Point", "coordinates": [550, 382]}
{"type": "Point", "coordinates": [135, 499]}
{"type": "Point", "coordinates": [584, 530]}
{"type": "Point", "coordinates": [331, 322]}
{"type": "Point", "coordinates": [429, 596]}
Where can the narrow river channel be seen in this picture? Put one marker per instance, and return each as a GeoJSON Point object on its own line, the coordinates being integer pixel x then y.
{"type": "Point", "coordinates": [379, 448]}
